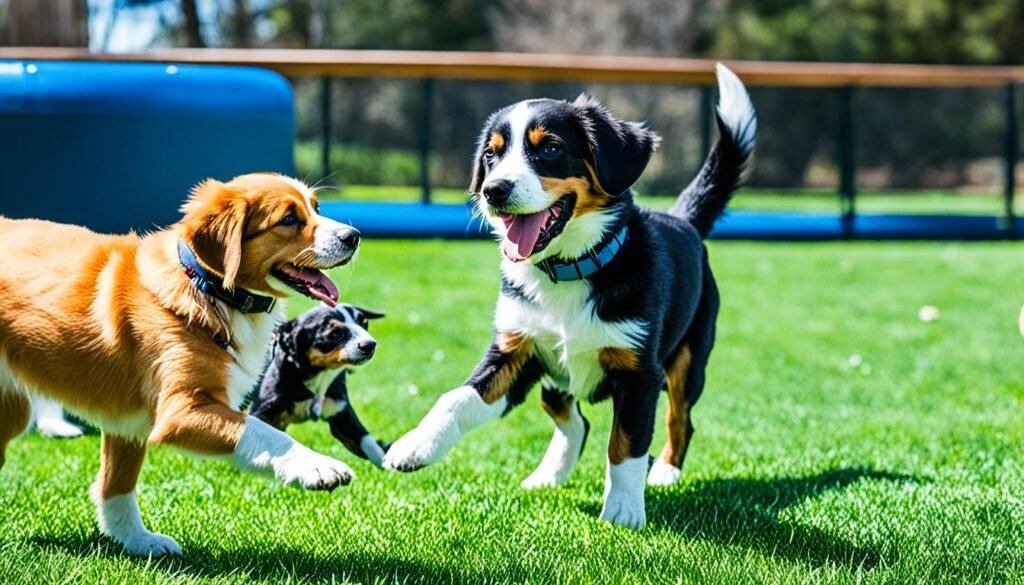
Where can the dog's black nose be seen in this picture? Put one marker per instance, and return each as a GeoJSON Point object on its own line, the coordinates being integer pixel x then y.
{"type": "Point", "coordinates": [349, 237]}
{"type": "Point", "coordinates": [497, 192]}
{"type": "Point", "coordinates": [368, 347]}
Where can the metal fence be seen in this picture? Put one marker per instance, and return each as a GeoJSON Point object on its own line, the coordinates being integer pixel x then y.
{"type": "Point", "coordinates": [855, 106]}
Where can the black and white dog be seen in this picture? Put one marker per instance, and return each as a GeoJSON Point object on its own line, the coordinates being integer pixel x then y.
{"type": "Point", "coordinates": [305, 352]}
{"type": "Point", "coordinates": [599, 297]}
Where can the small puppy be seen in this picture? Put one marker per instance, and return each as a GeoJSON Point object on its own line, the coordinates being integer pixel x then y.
{"type": "Point", "coordinates": [600, 298]}
{"type": "Point", "coordinates": [306, 350]}
{"type": "Point", "coordinates": [157, 339]}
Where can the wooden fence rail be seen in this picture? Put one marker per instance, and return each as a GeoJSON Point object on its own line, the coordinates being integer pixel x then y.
{"type": "Point", "coordinates": [544, 67]}
{"type": "Point", "coordinates": [846, 78]}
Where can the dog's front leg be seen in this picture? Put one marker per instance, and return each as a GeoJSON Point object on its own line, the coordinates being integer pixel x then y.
{"type": "Point", "coordinates": [499, 382]}
{"type": "Point", "coordinates": [204, 424]}
{"type": "Point", "coordinates": [635, 400]}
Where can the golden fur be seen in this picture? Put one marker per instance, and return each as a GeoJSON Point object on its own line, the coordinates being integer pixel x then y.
{"type": "Point", "coordinates": [111, 326]}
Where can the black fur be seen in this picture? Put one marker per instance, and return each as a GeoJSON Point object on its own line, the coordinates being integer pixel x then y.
{"type": "Point", "coordinates": [282, 397]}
{"type": "Point", "coordinates": [563, 173]}
{"type": "Point", "coordinates": [619, 150]}
{"type": "Point", "coordinates": [660, 276]}
{"type": "Point", "coordinates": [705, 199]}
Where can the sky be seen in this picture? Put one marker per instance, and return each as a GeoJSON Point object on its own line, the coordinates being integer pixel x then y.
{"type": "Point", "coordinates": [138, 28]}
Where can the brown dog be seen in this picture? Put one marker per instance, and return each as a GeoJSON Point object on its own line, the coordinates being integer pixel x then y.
{"type": "Point", "coordinates": [157, 339]}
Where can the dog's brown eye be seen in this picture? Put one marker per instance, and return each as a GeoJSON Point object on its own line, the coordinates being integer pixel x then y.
{"type": "Point", "coordinates": [489, 153]}
{"type": "Point", "coordinates": [550, 151]}
{"type": "Point", "coordinates": [289, 220]}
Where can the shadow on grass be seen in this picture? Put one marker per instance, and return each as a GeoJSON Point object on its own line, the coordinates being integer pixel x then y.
{"type": "Point", "coordinates": [746, 512]}
{"type": "Point", "coordinates": [273, 564]}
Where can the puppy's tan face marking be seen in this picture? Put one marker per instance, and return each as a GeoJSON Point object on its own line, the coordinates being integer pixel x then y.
{"type": "Point", "coordinates": [563, 178]}
{"type": "Point", "coordinates": [496, 143]}
{"type": "Point", "coordinates": [331, 360]}
{"type": "Point", "coordinates": [339, 341]}
{"type": "Point", "coordinates": [536, 135]}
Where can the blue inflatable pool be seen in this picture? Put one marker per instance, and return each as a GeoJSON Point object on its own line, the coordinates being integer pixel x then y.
{"type": "Point", "coordinates": [117, 146]}
{"type": "Point", "coordinates": [400, 220]}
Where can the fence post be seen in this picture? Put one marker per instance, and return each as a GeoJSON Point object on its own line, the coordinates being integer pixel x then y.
{"type": "Point", "coordinates": [325, 126]}
{"type": "Point", "coordinates": [1012, 156]}
{"type": "Point", "coordinates": [847, 160]}
{"type": "Point", "coordinates": [426, 112]}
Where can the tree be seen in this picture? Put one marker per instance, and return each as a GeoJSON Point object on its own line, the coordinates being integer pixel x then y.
{"type": "Point", "coordinates": [53, 23]}
{"type": "Point", "coordinates": [190, 24]}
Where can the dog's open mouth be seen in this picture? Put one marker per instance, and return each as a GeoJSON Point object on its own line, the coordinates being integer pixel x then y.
{"type": "Point", "coordinates": [310, 282]}
{"type": "Point", "coordinates": [530, 233]}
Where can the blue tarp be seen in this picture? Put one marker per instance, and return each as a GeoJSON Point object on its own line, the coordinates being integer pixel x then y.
{"type": "Point", "coordinates": [118, 146]}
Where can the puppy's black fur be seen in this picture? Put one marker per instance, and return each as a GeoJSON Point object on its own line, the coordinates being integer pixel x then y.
{"type": "Point", "coordinates": [599, 297]}
{"type": "Point", "coordinates": [311, 345]}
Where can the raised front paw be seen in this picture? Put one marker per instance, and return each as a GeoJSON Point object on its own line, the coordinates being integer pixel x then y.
{"type": "Point", "coordinates": [313, 471]}
{"type": "Point", "coordinates": [419, 448]}
{"type": "Point", "coordinates": [151, 544]}
{"type": "Point", "coordinates": [625, 511]}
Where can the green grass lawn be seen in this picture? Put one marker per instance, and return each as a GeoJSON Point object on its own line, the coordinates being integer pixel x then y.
{"type": "Point", "coordinates": [839, 440]}
{"type": "Point", "coordinates": [809, 200]}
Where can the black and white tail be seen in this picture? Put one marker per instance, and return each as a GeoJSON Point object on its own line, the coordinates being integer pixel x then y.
{"type": "Point", "coordinates": [704, 200]}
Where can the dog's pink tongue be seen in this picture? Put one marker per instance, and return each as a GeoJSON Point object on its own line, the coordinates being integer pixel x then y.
{"type": "Point", "coordinates": [522, 236]}
{"type": "Point", "coordinates": [318, 285]}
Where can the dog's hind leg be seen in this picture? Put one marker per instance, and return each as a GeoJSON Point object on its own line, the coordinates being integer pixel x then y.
{"type": "Point", "coordinates": [15, 413]}
{"type": "Point", "coordinates": [668, 466]}
{"type": "Point", "coordinates": [113, 493]}
{"type": "Point", "coordinates": [571, 430]}
{"type": "Point", "coordinates": [684, 377]}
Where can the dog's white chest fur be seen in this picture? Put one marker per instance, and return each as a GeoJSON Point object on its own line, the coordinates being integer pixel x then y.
{"type": "Point", "coordinates": [568, 335]}
{"type": "Point", "coordinates": [252, 334]}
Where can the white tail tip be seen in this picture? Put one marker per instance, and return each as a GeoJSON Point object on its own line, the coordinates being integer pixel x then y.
{"type": "Point", "coordinates": [735, 108]}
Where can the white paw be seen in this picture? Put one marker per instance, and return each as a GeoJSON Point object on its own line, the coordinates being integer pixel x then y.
{"type": "Point", "coordinates": [625, 511]}
{"type": "Point", "coordinates": [540, 478]}
{"type": "Point", "coordinates": [57, 427]}
{"type": "Point", "coordinates": [421, 447]}
{"type": "Point", "coordinates": [313, 471]}
{"type": "Point", "coordinates": [151, 544]}
{"type": "Point", "coordinates": [663, 474]}
{"type": "Point", "coordinates": [548, 474]}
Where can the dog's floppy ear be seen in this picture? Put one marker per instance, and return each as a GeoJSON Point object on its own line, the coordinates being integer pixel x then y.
{"type": "Point", "coordinates": [285, 337]}
{"type": "Point", "coordinates": [619, 150]}
{"type": "Point", "coordinates": [370, 314]}
{"type": "Point", "coordinates": [214, 226]}
{"type": "Point", "coordinates": [476, 181]}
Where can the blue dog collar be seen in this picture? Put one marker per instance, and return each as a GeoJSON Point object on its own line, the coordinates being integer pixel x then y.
{"type": "Point", "coordinates": [208, 282]}
{"type": "Point", "coordinates": [586, 265]}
